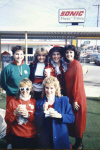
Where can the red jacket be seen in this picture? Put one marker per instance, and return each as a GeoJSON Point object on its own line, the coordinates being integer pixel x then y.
{"type": "Point", "coordinates": [76, 93]}
{"type": "Point", "coordinates": [28, 129]}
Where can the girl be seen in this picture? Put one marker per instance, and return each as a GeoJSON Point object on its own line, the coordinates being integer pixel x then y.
{"type": "Point", "coordinates": [76, 93]}
{"type": "Point", "coordinates": [37, 67]}
{"type": "Point", "coordinates": [59, 65]}
{"type": "Point", "coordinates": [20, 114]}
{"type": "Point", "coordinates": [53, 112]}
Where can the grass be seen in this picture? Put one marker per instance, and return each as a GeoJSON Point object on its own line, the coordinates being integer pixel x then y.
{"type": "Point", "coordinates": [91, 137]}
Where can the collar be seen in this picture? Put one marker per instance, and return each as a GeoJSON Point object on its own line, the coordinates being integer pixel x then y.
{"type": "Point", "coordinates": [24, 99]}
{"type": "Point", "coordinates": [51, 99]}
{"type": "Point", "coordinates": [14, 62]}
{"type": "Point", "coordinates": [57, 68]}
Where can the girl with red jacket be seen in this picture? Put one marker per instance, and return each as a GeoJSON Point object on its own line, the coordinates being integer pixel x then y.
{"type": "Point", "coordinates": [76, 93]}
{"type": "Point", "coordinates": [20, 114]}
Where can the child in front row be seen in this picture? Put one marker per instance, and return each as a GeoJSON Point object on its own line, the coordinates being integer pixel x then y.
{"type": "Point", "coordinates": [20, 114]}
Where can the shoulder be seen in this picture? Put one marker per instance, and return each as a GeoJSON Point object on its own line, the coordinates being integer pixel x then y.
{"type": "Point", "coordinates": [77, 64]}
{"type": "Point", "coordinates": [41, 101]}
{"type": "Point", "coordinates": [31, 64]}
{"type": "Point", "coordinates": [63, 99]}
{"type": "Point", "coordinates": [12, 101]}
{"type": "Point", "coordinates": [32, 100]}
{"type": "Point", "coordinates": [8, 67]}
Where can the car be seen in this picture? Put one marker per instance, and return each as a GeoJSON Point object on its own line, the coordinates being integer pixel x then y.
{"type": "Point", "coordinates": [85, 58]}
{"type": "Point", "coordinates": [97, 60]}
{"type": "Point", "coordinates": [93, 56]}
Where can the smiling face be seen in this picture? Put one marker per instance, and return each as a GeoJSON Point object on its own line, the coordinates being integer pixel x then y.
{"type": "Point", "coordinates": [56, 57]}
{"type": "Point", "coordinates": [25, 91]}
{"type": "Point", "coordinates": [50, 90]}
{"type": "Point", "coordinates": [41, 58]}
{"type": "Point", "coordinates": [69, 55]}
{"type": "Point", "coordinates": [18, 56]}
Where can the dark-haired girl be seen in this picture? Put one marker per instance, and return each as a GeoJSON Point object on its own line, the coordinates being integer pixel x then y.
{"type": "Point", "coordinates": [76, 93]}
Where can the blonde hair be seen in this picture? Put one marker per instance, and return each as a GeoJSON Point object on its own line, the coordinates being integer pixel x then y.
{"type": "Point", "coordinates": [54, 81]}
{"type": "Point", "coordinates": [23, 83]}
{"type": "Point", "coordinates": [39, 51]}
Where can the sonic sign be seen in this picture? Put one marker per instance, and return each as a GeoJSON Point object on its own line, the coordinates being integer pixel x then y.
{"type": "Point", "coordinates": [71, 15]}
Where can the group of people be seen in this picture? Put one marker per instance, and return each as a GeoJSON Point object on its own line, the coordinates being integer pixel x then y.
{"type": "Point", "coordinates": [46, 101]}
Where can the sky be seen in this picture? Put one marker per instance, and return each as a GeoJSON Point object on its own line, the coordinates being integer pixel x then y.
{"type": "Point", "coordinates": [44, 13]}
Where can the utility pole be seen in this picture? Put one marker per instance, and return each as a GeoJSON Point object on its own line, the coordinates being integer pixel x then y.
{"type": "Point", "coordinates": [97, 20]}
{"type": "Point", "coordinates": [97, 14]}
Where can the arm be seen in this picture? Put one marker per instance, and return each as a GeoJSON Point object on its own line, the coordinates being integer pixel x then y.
{"type": "Point", "coordinates": [78, 82]}
{"type": "Point", "coordinates": [39, 113]}
{"type": "Point", "coordinates": [67, 115]}
{"type": "Point", "coordinates": [10, 116]}
{"type": "Point", "coordinates": [4, 77]}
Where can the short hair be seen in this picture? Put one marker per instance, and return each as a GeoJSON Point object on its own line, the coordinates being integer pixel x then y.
{"type": "Point", "coordinates": [25, 81]}
{"type": "Point", "coordinates": [16, 48]}
{"type": "Point", "coordinates": [54, 81]}
{"type": "Point", "coordinates": [73, 48]}
{"type": "Point", "coordinates": [22, 83]}
{"type": "Point", "coordinates": [40, 50]}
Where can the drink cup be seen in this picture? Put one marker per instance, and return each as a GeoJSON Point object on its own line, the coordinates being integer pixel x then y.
{"type": "Point", "coordinates": [23, 107]}
{"type": "Point", "coordinates": [48, 71]}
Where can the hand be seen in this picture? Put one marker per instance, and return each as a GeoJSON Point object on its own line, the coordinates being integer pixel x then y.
{"type": "Point", "coordinates": [45, 73]}
{"type": "Point", "coordinates": [45, 106]}
{"type": "Point", "coordinates": [76, 106]}
{"type": "Point", "coordinates": [25, 113]}
{"type": "Point", "coordinates": [53, 113]}
{"type": "Point", "coordinates": [16, 111]}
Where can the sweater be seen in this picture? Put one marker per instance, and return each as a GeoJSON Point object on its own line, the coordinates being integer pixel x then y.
{"type": "Point", "coordinates": [10, 77]}
{"type": "Point", "coordinates": [26, 129]}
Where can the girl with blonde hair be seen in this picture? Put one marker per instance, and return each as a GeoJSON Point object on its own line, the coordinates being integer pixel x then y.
{"type": "Point", "coordinates": [52, 114]}
{"type": "Point", "coordinates": [20, 114]}
{"type": "Point", "coordinates": [37, 67]}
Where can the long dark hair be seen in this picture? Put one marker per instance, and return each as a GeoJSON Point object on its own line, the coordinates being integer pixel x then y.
{"type": "Point", "coordinates": [73, 48]}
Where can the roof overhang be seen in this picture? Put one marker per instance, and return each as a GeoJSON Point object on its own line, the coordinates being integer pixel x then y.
{"type": "Point", "coordinates": [71, 32]}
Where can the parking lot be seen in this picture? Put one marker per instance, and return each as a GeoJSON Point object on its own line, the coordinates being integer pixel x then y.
{"type": "Point", "coordinates": [92, 80]}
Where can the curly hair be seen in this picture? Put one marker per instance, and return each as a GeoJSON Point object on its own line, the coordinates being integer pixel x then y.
{"type": "Point", "coordinates": [16, 48]}
{"type": "Point", "coordinates": [39, 51]}
{"type": "Point", "coordinates": [23, 83]}
{"type": "Point", "coordinates": [54, 81]}
{"type": "Point", "coordinates": [73, 48]}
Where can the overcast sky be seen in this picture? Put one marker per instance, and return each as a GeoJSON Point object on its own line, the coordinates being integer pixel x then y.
{"type": "Point", "coordinates": [44, 13]}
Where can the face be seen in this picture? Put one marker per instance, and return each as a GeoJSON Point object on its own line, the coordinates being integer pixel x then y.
{"type": "Point", "coordinates": [70, 55]}
{"type": "Point", "coordinates": [56, 57]}
{"type": "Point", "coordinates": [41, 58]}
{"type": "Point", "coordinates": [25, 91]}
{"type": "Point", "coordinates": [18, 56]}
{"type": "Point", "coordinates": [50, 90]}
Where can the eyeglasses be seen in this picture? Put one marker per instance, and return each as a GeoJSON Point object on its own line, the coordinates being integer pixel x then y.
{"type": "Point", "coordinates": [24, 89]}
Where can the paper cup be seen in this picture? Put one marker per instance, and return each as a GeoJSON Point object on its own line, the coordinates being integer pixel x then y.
{"type": "Point", "coordinates": [22, 106]}
{"type": "Point", "coordinates": [48, 71]}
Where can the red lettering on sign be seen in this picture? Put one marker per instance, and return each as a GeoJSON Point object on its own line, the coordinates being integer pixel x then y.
{"type": "Point", "coordinates": [71, 13]}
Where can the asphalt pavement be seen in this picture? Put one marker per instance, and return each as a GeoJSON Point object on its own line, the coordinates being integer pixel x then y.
{"type": "Point", "coordinates": [92, 79]}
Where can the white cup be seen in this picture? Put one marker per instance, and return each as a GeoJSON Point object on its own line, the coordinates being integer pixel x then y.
{"type": "Point", "coordinates": [22, 106]}
{"type": "Point", "coordinates": [48, 70]}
